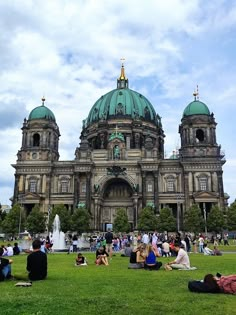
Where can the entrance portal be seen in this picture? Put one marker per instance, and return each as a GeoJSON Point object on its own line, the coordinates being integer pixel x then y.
{"type": "Point", "coordinates": [117, 194]}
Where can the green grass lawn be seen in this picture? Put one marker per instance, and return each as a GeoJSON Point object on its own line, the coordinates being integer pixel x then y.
{"type": "Point", "coordinates": [116, 289]}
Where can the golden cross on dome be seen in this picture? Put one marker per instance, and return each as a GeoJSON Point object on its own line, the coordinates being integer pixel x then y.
{"type": "Point", "coordinates": [122, 60]}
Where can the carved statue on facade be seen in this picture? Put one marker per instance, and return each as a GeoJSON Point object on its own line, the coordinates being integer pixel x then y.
{"type": "Point", "coordinates": [136, 188]}
{"type": "Point", "coordinates": [116, 151]}
{"type": "Point", "coordinates": [96, 188]}
{"type": "Point", "coordinates": [116, 170]}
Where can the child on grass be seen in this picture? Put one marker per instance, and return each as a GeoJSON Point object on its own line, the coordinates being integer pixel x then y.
{"type": "Point", "coordinates": [80, 260]}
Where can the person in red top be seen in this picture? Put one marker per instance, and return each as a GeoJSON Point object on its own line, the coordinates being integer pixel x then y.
{"type": "Point", "coordinates": [214, 284]}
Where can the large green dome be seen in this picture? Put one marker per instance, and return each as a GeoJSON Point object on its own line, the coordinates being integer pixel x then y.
{"type": "Point", "coordinates": [41, 112]}
{"type": "Point", "coordinates": [196, 108]}
{"type": "Point", "coordinates": [122, 102]}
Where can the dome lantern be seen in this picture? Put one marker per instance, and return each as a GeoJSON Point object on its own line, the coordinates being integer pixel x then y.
{"type": "Point", "coordinates": [122, 82]}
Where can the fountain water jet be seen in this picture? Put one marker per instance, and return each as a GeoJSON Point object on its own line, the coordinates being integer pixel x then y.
{"type": "Point", "coordinates": [58, 236]}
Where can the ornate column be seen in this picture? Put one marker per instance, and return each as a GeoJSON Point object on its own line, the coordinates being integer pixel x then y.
{"type": "Point", "coordinates": [88, 190]}
{"type": "Point", "coordinates": [144, 188]}
{"type": "Point", "coordinates": [156, 199]}
{"type": "Point", "coordinates": [76, 190]}
{"type": "Point", "coordinates": [186, 190]}
{"type": "Point", "coordinates": [16, 191]}
{"type": "Point", "coordinates": [221, 188]}
{"type": "Point", "coordinates": [135, 204]}
{"type": "Point", "coordinates": [95, 219]}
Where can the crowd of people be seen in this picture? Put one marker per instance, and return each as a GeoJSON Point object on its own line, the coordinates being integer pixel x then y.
{"type": "Point", "coordinates": [143, 250]}
{"type": "Point", "coordinates": [36, 265]}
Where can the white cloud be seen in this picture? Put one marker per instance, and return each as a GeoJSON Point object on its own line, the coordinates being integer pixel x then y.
{"type": "Point", "coordinates": [69, 51]}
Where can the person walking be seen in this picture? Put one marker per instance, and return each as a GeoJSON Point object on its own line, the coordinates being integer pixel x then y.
{"type": "Point", "coordinates": [109, 239]}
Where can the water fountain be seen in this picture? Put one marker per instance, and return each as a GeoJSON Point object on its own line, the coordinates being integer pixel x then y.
{"type": "Point", "coordinates": [58, 237]}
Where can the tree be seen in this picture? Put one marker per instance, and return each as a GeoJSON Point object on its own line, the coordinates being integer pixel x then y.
{"type": "Point", "coordinates": [193, 220]}
{"type": "Point", "coordinates": [215, 220]}
{"type": "Point", "coordinates": [81, 220]}
{"type": "Point", "coordinates": [64, 215]}
{"type": "Point", "coordinates": [231, 217]}
{"type": "Point", "coordinates": [121, 222]}
{"type": "Point", "coordinates": [2, 215]}
{"type": "Point", "coordinates": [147, 220]}
{"type": "Point", "coordinates": [36, 221]}
{"type": "Point", "coordinates": [166, 220]}
{"type": "Point", "coordinates": [14, 221]}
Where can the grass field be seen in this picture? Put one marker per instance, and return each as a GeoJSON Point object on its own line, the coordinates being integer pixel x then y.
{"type": "Point", "coordinates": [116, 289]}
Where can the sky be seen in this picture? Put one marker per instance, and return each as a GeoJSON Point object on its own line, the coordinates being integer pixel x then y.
{"type": "Point", "coordinates": [70, 52]}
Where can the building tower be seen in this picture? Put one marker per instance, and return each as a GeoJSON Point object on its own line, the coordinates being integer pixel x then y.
{"type": "Point", "coordinates": [40, 139]}
{"type": "Point", "coordinates": [201, 157]}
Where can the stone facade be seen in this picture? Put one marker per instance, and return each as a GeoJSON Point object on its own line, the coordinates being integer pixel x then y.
{"type": "Point", "coordinates": [120, 163]}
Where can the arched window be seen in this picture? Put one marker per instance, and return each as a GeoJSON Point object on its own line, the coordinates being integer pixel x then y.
{"type": "Point", "coordinates": [149, 187]}
{"type": "Point", "coordinates": [33, 185]}
{"type": "Point", "coordinates": [200, 135]}
{"type": "Point", "coordinates": [36, 140]}
{"type": "Point", "coordinates": [147, 114]}
{"type": "Point", "coordinates": [202, 183]}
{"type": "Point", "coordinates": [170, 184]}
{"type": "Point", "coordinates": [119, 109]}
{"type": "Point", "coordinates": [83, 187]}
{"type": "Point", "coordinates": [64, 185]}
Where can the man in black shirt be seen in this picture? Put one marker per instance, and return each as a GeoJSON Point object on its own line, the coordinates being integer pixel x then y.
{"type": "Point", "coordinates": [109, 239]}
{"type": "Point", "coordinates": [37, 262]}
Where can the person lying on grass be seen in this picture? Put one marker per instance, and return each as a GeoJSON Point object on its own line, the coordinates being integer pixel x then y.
{"type": "Point", "coordinates": [101, 256]}
{"type": "Point", "coordinates": [5, 267]}
{"type": "Point", "coordinates": [214, 284]}
{"type": "Point", "coordinates": [181, 262]}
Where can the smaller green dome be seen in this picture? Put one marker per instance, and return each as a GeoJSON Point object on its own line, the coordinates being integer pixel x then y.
{"type": "Point", "coordinates": [41, 112]}
{"type": "Point", "coordinates": [196, 108]}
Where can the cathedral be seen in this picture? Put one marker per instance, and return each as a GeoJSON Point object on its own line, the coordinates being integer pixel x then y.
{"type": "Point", "coordinates": [120, 161]}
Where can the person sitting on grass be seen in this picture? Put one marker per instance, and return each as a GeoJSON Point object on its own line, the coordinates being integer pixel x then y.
{"type": "Point", "coordinates": [181, 262]}
{"type": "Point", "coordinates": [137, 257]}
{"type": "Point", "coordinates": [37, 262]}
{"type": "Point", "coordinates": [216, 251]}
{"type": "Point", "coordinates": [80, 260]}
{"type": "Point", "coordinates": [16, 249]}
{"type": "Point", "coordinates": [150, 261]}
{"type": "Point", "coordinates": [101, 256]}
{"type": "Point", "coordinates": [207, 251]}
{"type": "Point", "coordinates": [214, 284]}
{"type": "Point", "coordinates": [5, 267]}
{"type": "Point", "coordinates": [126, 252]}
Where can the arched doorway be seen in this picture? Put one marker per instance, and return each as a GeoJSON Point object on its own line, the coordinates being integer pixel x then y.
{"type": "Point", "coordinates": [116, 194]}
